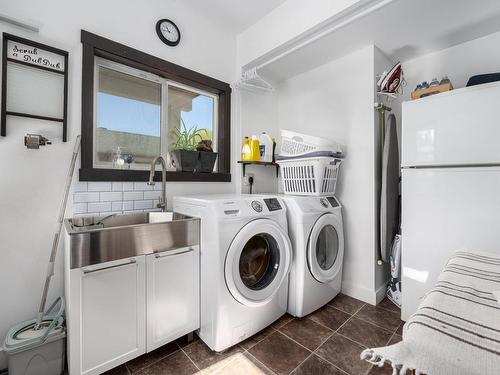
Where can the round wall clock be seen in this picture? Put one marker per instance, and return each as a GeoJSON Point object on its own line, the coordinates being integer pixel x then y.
{"type": "Point", "coordinates": [168, 32]}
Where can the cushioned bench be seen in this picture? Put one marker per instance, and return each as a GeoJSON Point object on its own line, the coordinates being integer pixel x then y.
{"type": "Point", "coordinates": [456, 329]}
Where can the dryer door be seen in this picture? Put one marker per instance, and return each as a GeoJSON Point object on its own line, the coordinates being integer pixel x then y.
{"type": "Point", "coordinates": [257, 262]}
{"type": "Point", "coordinates": [325, 250]}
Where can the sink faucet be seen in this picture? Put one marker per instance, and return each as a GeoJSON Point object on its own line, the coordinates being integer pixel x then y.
{"type": "Point", "coordinates": [163, 199]}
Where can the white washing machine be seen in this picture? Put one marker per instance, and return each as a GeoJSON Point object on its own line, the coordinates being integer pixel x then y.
{"type": "Point", "coordinates": [246, 257]}
{"type": "Point", "coordinates": [316, 230]}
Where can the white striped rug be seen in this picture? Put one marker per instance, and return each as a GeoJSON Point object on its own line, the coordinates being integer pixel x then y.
{"type": "Point", "coordinates": [456, 329]}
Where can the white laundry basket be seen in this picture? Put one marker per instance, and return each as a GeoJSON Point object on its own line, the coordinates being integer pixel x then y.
{"type": "Point", "coordinates": [295, 144]}
{"type": "Point", "coordinates": [310, 176]}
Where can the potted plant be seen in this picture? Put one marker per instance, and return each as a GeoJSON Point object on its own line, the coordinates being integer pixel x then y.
{"type": "Point", "coordinates": [207, 156]}
{"type": "Point", "coordinates": [184, 153]}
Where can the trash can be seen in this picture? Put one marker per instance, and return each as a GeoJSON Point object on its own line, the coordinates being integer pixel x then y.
{"type": "Point", "coordinates": [40, 351]}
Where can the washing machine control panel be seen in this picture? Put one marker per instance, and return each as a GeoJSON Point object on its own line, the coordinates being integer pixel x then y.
{"type": "Point", "coordinates": [273, 204]}
{"type": "Point", "coordinates": [257, 206]}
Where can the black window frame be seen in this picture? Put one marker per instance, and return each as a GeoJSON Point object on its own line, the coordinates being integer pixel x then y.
{"type": "Point", "coordinates": [97, 46]}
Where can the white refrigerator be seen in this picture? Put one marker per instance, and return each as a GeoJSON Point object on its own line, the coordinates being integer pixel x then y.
{"type": "Point", "coordinates": [450, 183]}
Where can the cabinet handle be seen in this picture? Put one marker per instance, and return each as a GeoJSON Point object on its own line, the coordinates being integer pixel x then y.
{"type": "Point", "coordinates": [170, 253]}
{"type": "Point", "coordinates": [131, 261]}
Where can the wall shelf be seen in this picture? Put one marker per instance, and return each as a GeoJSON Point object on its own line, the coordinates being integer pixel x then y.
{"type": "Point", "coordinates": [244, 163]}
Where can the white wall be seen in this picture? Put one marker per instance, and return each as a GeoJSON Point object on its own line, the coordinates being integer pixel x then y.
{"type": "Point", "coordinates": [257, 113]}
{"type": "Point", "coordinates": [31, 183]}
{"type": "Point", "coordinates": [336, 101]}
{"type": "Point", "coordinates": [284, 23]}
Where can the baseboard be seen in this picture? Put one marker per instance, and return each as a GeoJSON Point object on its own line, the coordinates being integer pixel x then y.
{"type": "Point", "coordinates": [381, 293]}
{"type": "Point", "coordinates": [359, 292]}
{"type": "Point", "coordinates": [373, 297]}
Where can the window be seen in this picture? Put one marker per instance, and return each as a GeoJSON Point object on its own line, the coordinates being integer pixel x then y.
{"type": "Point", "coordinates": [133, 107]}
{"type": "Point", "coordinates": [138, 116]}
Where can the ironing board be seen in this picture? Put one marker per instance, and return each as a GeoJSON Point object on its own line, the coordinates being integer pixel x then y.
{"type": "Point", "coordinates": [456, 329]}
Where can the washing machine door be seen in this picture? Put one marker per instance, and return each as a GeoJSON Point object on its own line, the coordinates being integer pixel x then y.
{"type": "Point", "coordinates": [325, 250]}
{"type": "Point", "coordinates": [258, 262]}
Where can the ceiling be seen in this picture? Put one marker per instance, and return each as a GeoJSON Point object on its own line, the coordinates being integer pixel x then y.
{"type": "Point", "coordinates": [402, 29]}
{"type": "Point", "coordinates": [237, 15]}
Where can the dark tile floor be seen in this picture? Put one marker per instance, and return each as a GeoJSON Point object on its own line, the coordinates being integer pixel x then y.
{"type": "Point", "coordinates": [329, 341]}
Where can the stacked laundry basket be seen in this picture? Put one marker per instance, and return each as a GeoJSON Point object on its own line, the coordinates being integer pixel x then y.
{"type": "Point", "coordinates": [309, 165]}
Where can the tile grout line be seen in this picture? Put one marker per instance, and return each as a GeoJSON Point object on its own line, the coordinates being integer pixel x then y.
{"type": "Point", "coordinates": [255, 358]}
{"type": "Point", "coordinates": [376, 325]}
{"type": "Point", "coordinates": [296, 367]}
{"type": "Point", "coordinates": [327, 361]}
{"type": "Point", "coordinates": [152, 363]}
{"type": "Point", "coordinates": [194, 364]}
{"type": "Point", "coordinates": [265, 337]}
{"type": "Point", "coordinates": [288, 337]}
{"type": "Point", "coordinates": [347, 312]}
{"type": "Point", "coordinates": [337, 332]}
{"type": "Point", "coordinates": [329, 337]}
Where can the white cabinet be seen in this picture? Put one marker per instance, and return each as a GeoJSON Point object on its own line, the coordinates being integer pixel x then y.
{"type": "Point", "coordinates": [172, 284]}
{"type": "Point", "coordinates": [107, 315]}
{"type": "Point", "coordinates": [121, 309]}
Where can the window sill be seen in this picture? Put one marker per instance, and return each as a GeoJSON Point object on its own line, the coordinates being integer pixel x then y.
{"type": "Point", "coordinates": [94, 174]}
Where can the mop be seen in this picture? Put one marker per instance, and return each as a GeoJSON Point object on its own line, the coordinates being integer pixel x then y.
{"type": "Point", "coordinates": [48, 323]}
{"type": "Point", "coordinates": [57, 234]}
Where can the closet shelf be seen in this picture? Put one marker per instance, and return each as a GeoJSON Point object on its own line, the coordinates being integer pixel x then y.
{"type": "Point", "coordinates": [244, 163]}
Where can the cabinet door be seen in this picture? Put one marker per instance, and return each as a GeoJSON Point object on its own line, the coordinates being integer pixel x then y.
{"type": "Point", "coordinates": [112, 323]}
{"type": "Point", "coordinates": [173, 307]}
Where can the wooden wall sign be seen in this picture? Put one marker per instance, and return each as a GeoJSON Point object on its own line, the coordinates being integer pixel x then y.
{"type": "Point", "coordinates": [17, 50]}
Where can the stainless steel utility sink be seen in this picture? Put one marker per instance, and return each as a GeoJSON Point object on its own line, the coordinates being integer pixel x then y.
{"type": "Point", "coordinates": [102, 239]}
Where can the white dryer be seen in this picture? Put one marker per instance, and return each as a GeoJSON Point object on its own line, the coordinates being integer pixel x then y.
{"type": "Point", "coordinates": [246, 257]}
{"type": "Point", "coordinates": [316, 230]}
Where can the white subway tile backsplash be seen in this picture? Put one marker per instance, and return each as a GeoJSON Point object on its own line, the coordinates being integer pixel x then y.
{"type": "Point", "coordinates": [117, 186]}
{"type": "Point", "coordinates": [128, 186]}
{"type": "Point", "coordinates": [117, 206]}
{"type": "Point", "coordinates": [99, 186]}
{"type": "Point", "coordinates": [111, 196]}
{"type": "Point", "coordinates": [99, 206]}
{"type": "Point", "coordinates": [142, 186]}
{"type": "Point", "coordinates": [105, 198]}
{"type": "Point", "coordinates": [80, 186]}
{"type": "Point", "coordinates": [142, 205]}
{"type": "Point", "coordinates": [86, 197]}
{"type": "Point", "coordinates": [128, 206]}
{"type": "Point", "coordinates": [133, 195]}
{"type": "Point", "coordinates": [80, 208]}
{"type": "Point", "coordinates": [151, 194]}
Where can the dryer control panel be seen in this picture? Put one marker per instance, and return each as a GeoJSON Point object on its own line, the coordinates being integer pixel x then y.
{"type": "Point", "coordinates": [333, 201]}
{"type": "Point", "coordinates": [273, 204]}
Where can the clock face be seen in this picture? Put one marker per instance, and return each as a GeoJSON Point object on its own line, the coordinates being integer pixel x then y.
{"type": "Point", "coordinates": [168, 32]}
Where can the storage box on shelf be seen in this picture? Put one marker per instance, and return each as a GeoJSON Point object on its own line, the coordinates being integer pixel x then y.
{"type": "Point", "coordinates": [417, 94]}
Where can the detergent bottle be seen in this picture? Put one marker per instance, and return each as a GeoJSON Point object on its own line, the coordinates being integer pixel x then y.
{"type": "Point", "coordinates": [246, 152]}
{"type": "Point", "coordinates": [266, 147]}
{"type": "Point", "coordinates": [255, 148]}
